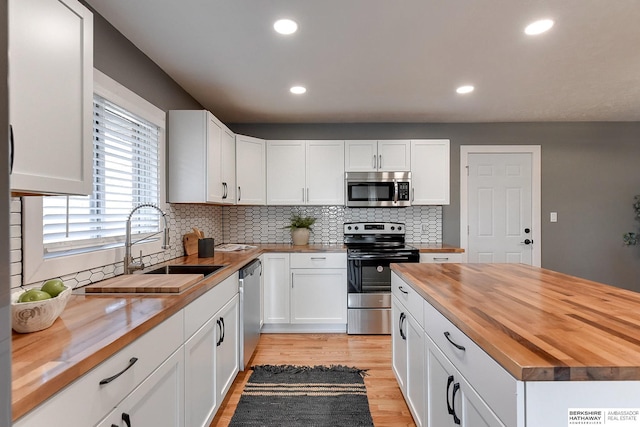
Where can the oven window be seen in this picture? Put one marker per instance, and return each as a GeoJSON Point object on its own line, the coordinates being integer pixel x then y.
{"type": "Point", "coordinates": [369, 276]}
{"type": "Point", "coordinates": [374, 191]}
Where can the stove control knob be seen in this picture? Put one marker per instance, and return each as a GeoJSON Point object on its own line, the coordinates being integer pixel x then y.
{"type": "Point", "coordinates": [393, 228]}
{"type": "Point", "coordinates": [357, 227]}
{"type": "Point", "coordinates": [348, 227]}
{"type": "Point", "coordinates": [399, 227]}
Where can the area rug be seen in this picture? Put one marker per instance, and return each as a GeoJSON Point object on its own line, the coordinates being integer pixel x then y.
{"type": "Point", "coordinates": [285, 395]}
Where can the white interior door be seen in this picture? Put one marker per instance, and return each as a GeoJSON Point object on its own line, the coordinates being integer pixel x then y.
{"type": "Point", "coordinates": [501, 200]}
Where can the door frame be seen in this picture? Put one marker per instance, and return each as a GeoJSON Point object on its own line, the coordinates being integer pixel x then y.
{"type": "Point", "coordinates": [536, 218]}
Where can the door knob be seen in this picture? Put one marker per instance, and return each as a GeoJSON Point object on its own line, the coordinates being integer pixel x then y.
{"type": "Point", "coordinates": [527, 241]}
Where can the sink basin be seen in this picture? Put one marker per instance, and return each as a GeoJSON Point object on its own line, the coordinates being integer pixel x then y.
{"type": "Point", "coordinates": [205, 270]}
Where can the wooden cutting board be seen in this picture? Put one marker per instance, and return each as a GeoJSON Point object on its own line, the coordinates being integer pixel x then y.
{"type": "Point", "coordinates": [145, 283]}
{"type": "Point", "coordinates": [190, 241]}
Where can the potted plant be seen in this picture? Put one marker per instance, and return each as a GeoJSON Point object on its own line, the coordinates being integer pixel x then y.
{"type": "Point", "coordinates": [300, 227]}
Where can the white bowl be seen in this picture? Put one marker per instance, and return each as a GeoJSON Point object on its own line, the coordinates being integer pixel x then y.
{"type": "Point", "coordinates": [36, 315]}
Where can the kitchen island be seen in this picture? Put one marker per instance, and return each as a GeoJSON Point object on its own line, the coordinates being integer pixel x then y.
{"type": "Point", "coordinates": [530, 343]}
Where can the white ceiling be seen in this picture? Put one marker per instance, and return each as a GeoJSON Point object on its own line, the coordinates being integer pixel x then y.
{"type": "Point", "coordinates": [394, 60]}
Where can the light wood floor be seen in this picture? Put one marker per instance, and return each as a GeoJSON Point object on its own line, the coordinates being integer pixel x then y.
{"type": "Point", "coordinates": [372, 352]}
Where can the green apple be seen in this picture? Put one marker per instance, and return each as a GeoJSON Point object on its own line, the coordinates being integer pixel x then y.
{"type": "Point", "coordinates": [53, 287]}
{"type": "Point", "coordinates": [33, 295]}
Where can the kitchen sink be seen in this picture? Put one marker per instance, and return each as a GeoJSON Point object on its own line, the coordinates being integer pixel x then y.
{"type": "Point", "coordinates": [205, 270]}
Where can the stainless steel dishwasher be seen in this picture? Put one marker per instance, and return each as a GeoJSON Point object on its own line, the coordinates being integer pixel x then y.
{"type": "Point", "coordinates": [249, 310]}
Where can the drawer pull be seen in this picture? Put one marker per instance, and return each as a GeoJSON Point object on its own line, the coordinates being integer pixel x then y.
{"type": "Point", "coordinates": [126, 418]}
{"type": "Point", "coordinates": [402, 290]}
{"type": "Point", "coordinates": [220, 328]}
{"type": "Point", "coordinates": [441, 259]}
{"type": "Point", "coordinates": [447, 335]}
{"type": "Point", "coordinates": [319, 258]}
{"type": "Point", "coordinates": [223, 329]}
{"type": "Point", "coordinates": [132, 361]}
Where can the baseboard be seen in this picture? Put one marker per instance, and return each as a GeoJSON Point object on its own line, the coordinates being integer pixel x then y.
{"type": "Point", "coordinates": [315, 328]}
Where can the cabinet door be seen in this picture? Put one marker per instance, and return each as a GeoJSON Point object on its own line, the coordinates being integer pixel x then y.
{"type": "Point", "coordinates": [441, 379]}
{"type": "Point", "coordinates": [430, 172]}
{"type": "Point", "coordinates": [360, 156]}
{"type": "Point", "coordinates": [276, 288]}
{"type": "Point", "coordinates": [215, 189]}
{"type": "Point", "coordinates": [416, 369]}
{"type": "Point", "coordinates": [250, 171]}
{"type": "Point", "coordinates": [325, 173]}
{"type": "Point", "coordinates": [394, 155]}
{"type": "Point", "coordinates": [200, 374]}
{"type": "Point", "coordinates": [157, 402]}
{"type": "Point", "coordinates": [286, 173]}
{"type": "Point", "coordinates": [51, 85]}
{"type": "Point", "coordinates": [228, 167]}
{"type": "Point", "coordinates": [399, 343]}
{"type": "Point", "coordinates": [475, 411]}
{"type": "Point", "coordinates": [319, 295]}
{"type": "Point", "coordinates": [227, 349]}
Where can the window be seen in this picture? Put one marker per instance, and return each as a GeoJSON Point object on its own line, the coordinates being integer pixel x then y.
{"type": "Point", "coordinates": [125, 175]}
{"type": "Point", "coordinates": [64, 235]}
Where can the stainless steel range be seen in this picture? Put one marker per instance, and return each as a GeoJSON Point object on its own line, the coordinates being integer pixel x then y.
{"type": "Point", "coordinates": [371, 248]}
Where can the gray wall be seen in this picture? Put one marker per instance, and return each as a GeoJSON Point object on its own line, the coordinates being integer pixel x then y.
{"type": "Point", "coordinates": [590, 173]}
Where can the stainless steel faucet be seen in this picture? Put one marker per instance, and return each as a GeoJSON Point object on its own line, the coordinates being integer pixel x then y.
{"type": "Point", "coordinates": [129, 264]}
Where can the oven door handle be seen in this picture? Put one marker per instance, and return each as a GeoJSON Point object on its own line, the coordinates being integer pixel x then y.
{"type": "Point", "coordinates": [389, 257]}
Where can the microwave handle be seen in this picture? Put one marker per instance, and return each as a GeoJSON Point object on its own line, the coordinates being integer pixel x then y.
{"type": "Point", "coordinates": [395, 191]}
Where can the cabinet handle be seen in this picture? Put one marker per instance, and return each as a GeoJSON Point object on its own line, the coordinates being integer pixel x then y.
{"type": "Point", "coordinates": [413, 194]}
{"type": "Point", "coordinates": [456, 388]}
{"type": "Point", "coordinates": [11, 148]}
{"type": "Point", "coordinates": [441, 259]}
{"type": "Point", "coordinates": [317, 258]}
{"type": "Point", "coordinates": [374, 161]}
{"type": "Point", "coordinates": [220, 328]}
{"type": "Point", "coordinates": [126, 418]}
{"type": "Point", "coordinates": [225, 190]}
{"type": "Point", "coordinates": [132, 361]}
{"type": "Point", "coordinates": [400, 322]}
{"type": "Point", "coordinates": [113, 425]}
{"type": "Point", "coordinates": [402, 290]}
{"type": "Point", "coordinates": [239, 193]}
{"type": "Point", "coordinates": [307, 194]}
{"type": "Point", "coordinates": [302, 194]}
{"type": "Point", "coordinates": [291, 280]}
{"type": "Point", "coordinates": [449, 382]}
{"type": "Point", "coordinates": [223, 330]}
{"type": "Point", "coordinates": [447, 335]}
{"type": "Point", "coordinates": [380, 161]}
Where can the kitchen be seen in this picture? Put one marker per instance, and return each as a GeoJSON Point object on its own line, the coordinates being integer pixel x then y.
{"type": "Point", "coordinates": [594, 207]}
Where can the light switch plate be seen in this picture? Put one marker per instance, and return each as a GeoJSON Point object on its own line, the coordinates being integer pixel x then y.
{"type": "Point", "coordinates": [553, 217]}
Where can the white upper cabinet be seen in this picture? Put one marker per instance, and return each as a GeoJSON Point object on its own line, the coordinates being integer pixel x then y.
{"type": "Point", "coordinates": [430, 171]}
{"type": "Point", "coordinates": [50, 96]}
{"type": "Point", "coordinates": [305, 172]}
{"type": "Point", "coordinates": [250, 171]}
{"type": "Point", "coordinates": [198, 168]}
{"type": "Point", "coordinates": [373, 155]}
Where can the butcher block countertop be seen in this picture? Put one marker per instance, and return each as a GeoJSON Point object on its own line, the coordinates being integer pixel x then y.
{"type": "Point", "coordinates": [538, 324]}
{"type": "Point", "coordinates": [94, 327]}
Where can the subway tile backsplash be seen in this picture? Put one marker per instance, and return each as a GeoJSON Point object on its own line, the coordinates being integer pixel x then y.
{"type": "Point", "coordinates": [246, 224]}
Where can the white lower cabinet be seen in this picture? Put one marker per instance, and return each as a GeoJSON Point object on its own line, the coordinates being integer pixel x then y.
{"type": "Point", "coordinates": [408, 361]}
{"type": "Point", "coordinates": [211, 353]}
{"type": "Point", "coordinates": [157, 402]}
{"type": "Point", "coordinates": [450, 399]}
{"type": "Point", "coordinates": [305, 292]}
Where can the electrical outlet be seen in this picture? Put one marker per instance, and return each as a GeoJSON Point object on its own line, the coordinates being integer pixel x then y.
{"type": "Point", "coordinates": [425, 228]}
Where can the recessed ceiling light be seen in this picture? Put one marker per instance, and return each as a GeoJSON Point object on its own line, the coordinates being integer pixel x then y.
{"type": "Point", "coordinates": [298, 90]}
{"type": "Point", "coordinates": [285, 26]}
{"type": "Point", "coordinates": [538, 27]}
{"type": "Point", "coordinates": [465, 89]}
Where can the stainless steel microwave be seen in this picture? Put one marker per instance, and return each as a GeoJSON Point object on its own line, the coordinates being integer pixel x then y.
{"type": "Point", "coordinates": [377, 189]}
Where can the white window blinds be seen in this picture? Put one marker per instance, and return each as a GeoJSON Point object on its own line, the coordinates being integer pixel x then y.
{"type": "Point", "coordinates": [125, 174]}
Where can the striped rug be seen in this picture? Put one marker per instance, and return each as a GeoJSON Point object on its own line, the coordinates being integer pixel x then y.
{"type": "Point", "coordinates": [286, 395]}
